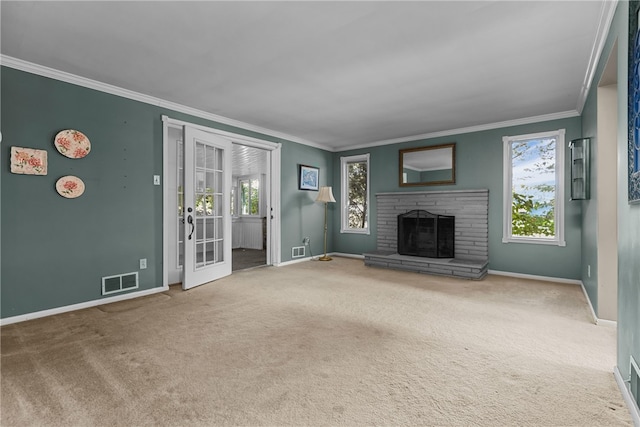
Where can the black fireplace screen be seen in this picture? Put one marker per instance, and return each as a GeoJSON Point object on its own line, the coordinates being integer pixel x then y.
{"type": "Point", "coordinates": [421, 233]}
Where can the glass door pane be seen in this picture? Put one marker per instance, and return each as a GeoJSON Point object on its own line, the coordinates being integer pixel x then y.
{"type": "Point", "coordinates": [206, 197]}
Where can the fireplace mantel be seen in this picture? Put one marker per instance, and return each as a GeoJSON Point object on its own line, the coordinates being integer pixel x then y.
{"type": "Point", "coordinates": [471, 209]}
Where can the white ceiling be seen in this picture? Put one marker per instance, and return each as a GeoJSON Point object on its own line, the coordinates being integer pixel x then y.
{"type": "Point", "coordinates": [431, 159]}
{"type": "Point", "coordinates": [331, 74]}
{"type": "Point", "coordinates": [248, 160]}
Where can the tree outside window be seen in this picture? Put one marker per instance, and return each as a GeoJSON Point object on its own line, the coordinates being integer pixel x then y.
{"type": "Point", "coordinates": [355, 194]}
{"type": "Point", "coordinates": [533, 188]}
{"type": "Point", "coordinates": [249, 196]}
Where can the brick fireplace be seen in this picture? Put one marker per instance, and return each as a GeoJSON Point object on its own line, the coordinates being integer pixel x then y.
{"type": "Point", "coordinates": [471, 237]}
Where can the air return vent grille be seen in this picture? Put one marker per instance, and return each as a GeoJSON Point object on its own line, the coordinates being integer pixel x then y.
{"type": "Point", "coordinates": [297, 251]}
{"type": "Point", "coordinates": [119, 283]}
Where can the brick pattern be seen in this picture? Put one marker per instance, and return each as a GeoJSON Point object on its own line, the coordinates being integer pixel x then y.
{"type": "Point", "coordinates": [470, 207]}
{"type": "Point", "coordinates": [474, 270]}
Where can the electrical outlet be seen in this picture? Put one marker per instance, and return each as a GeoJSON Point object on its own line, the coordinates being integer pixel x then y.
{"type": "Point", "coordinates": [306, 240]}
{"type": "Point", "coordinates": [143, 263]}
{"type": "Point", "coordinates": [588, 270]}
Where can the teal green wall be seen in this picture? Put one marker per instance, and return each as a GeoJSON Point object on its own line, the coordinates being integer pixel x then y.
{"type": "Point", "coordinates": [437, 175]}
{"type": "Point", "coordinates": [590, 207]}
{"type": "Point", "coordinates": [56, 250]}
{"type": "Point", "coordinates": [478, 165]}
{"type": "Point", "coordinates": [590, 130]}
{"type": "Point", "coordinates": [628, 214]}
{"type": "Point", "coordinates": [301, 215]}
{"type": "Point", "coordinates": [412, 175]}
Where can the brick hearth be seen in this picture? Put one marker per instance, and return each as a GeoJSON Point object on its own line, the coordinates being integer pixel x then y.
{"type": "Point", "coordinates": [471, 209]}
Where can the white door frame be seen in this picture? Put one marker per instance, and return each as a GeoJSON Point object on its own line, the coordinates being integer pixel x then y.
{"type": "Point", "coordinates": [273, 205]}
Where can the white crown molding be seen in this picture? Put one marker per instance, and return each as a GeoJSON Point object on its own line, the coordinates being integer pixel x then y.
{"type": "Point", "coordinates": [29, 67]}
{"type": "Point", "coordinates": [604, 24]}
{"type": "Point", "coordinates": [478, 128]}
{"type": "Point", "coordinates": [41, 70]}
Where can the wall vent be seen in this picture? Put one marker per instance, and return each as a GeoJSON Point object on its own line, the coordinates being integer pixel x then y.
{"type": "Point", "coordinates": [119, 283]}
{"type": "Point", "coordinates": [297, 252]}
{"type": "Point", "coordinates": [634, 381]}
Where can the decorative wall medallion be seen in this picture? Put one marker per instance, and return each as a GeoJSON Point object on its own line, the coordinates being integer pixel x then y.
{"type": "Point", "coordinates": [28, 161]}
{"type": "Point", "coordinates": [72, 143]}
{"type": "Point", "coordinates": [70, 187]}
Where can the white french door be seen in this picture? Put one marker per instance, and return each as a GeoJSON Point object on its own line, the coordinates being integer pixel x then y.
{"type": "Point", "coordinates": [207, 216]}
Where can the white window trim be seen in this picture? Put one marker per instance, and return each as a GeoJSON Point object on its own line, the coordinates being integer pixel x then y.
{"type": "Point", "coordinates": [234, 198]}
{"type": "Point", "coordinates": [507, 197]}
{"type": "Point", "coordinates": [239, 192]}
{"type": "Point", "coordinates": [344, 214]}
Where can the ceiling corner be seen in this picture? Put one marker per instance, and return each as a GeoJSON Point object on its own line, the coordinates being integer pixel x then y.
{"type": "Point", "coordinates": [604, 24]}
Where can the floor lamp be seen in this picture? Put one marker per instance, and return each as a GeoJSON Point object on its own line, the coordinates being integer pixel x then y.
{"type": "Point", "coordinates": [325, 196]}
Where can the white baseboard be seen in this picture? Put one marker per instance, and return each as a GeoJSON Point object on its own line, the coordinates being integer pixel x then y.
{"type": "Point", "coordinates": [345, 255]}
{"type": "Point", "coordinates": [605, 322]}
{"type": "Point", "coordinates": [314, 258]}
{"type": "Point", "coordinates": [599, 322]}
{"type": "Point", "coordinates": [596, 320]}
{"type": "Point", "coordinates": [534, 277]}
{"type": "Point", "coordinates": [294, 261]}
{"type": "Point", "coordinates": [586, 295]}
{"type": "Point", "coordinates": [628, 398]}
{"type": "Point", "coordinates": [80, 306]}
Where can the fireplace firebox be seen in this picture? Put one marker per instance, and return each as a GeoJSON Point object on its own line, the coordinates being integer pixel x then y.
{"type": "Point", "coordinates": [423, 234]}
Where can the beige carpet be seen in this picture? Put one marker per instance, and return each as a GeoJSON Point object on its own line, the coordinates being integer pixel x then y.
{"type": "Point", "coordinates": [317, 343]}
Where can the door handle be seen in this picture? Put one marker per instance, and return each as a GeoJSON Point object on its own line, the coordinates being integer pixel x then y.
{"type": "Point", "coordinates": [190, 221]}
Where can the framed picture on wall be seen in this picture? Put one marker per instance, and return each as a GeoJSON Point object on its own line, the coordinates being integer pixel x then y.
{"type": "Point", "coordinates": [28, 161]}
{"type": "Point", "coordinates": [308, 178]}
{"type": "Point", "coordinates": [634, 104]}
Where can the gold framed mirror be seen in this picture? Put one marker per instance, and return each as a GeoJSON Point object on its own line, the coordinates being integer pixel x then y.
{"type": "Point", "coordinates": [433, 165]}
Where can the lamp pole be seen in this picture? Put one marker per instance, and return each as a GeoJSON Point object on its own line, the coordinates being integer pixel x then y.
{"type": "Point", "coordinates": [325, 257]}
{"type": "Point", "coordinates": [325, 196]}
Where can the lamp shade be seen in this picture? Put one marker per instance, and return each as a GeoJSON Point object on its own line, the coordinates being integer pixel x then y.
{"type": "Point", "coordinates": [325, 195]}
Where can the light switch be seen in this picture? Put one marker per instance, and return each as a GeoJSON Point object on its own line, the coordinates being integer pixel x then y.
{"type": "Point", "coordinates": [156, 179]}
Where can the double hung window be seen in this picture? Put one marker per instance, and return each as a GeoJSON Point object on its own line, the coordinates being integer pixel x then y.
{"type": "Point", "coordinates": [355, 194]}
{"type": "Point", "coordinates": [534, 188]}
{"type": "Point", "coordinates": [249, 196]}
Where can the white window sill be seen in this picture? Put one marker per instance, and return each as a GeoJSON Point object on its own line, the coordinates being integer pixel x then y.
{"type": "Point", "coordinates": [533, 241]}
{"type": "Point", "coordinates": [354, 231]}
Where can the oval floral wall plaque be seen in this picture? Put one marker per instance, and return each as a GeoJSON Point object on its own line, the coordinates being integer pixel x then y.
{"type": "Point", "coordinates": [70, 187]}
{"type": "Point", "coordinates": [72, 143]}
